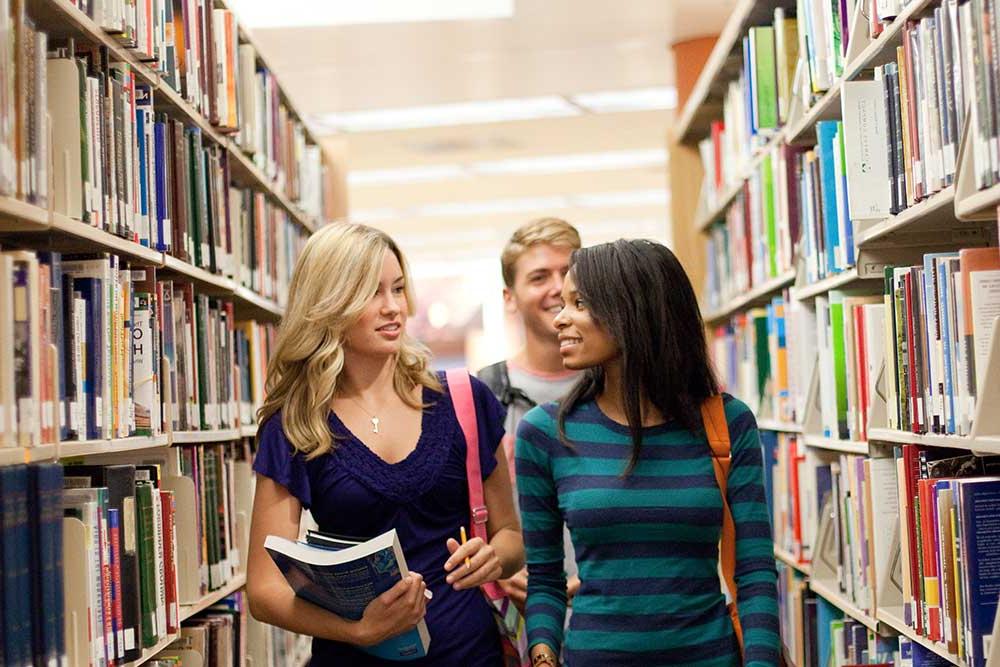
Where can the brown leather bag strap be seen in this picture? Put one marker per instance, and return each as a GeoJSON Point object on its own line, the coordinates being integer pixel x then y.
{"type": "Point", "coordinates": [713, 414]}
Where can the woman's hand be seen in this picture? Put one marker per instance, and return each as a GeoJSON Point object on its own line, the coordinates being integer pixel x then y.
{"type": "Point", "coordinates": [394, 612]}
{"type": "Point", "coordinates": [516, 588]}
{"type": "Point", "coordinates": [484, 564]}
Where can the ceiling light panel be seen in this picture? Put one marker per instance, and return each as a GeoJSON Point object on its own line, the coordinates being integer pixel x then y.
{"type": "Point", "coordinates": [575, 162]}
{"type": "Point", "coordinates": [639, 99]}
{"type": "Point", "coordinates": [443, 115]}
{"type": "Point", "coordinates": [403, 175]}
{"type": "Point", "coordinates": [299, 13]}
{"type": "Point", "coordinates": [652, 197]}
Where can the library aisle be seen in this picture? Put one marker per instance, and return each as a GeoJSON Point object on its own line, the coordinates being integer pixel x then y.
{"type": "Point", "coordinates": [833, 189]}
{"type": "Point", "coordinates": [846, 229]}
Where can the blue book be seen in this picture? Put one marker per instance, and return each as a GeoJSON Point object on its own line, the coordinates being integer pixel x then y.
{"type": "Point", "coordinates": [345, 576]}
{"type": "Point", "coordinates": [15, 574]}
{"type": "Point", "coordinates": [45, 512]}
{"type": "Point", "coordinates": [162, 193]}
{"type": "Point", "coordinates": [826, 133]}
{"type": "Point", "coordinates": [92, 292]}
{"type": "Point", "coordinates": [826, 614]}
{"type": "Point", "coordinates": [979, 503]}
{"type": "Point", "coordinates": [946, 298]}
{"type": "Point", "coordinates": [848, 223]}
{"type": "Point", "coordinates": [769, 442]}
{"type": "Point", "coordinates": [143, 103]}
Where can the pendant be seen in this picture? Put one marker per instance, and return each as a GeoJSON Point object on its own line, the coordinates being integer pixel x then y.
{"type": "Point", "coordinates": [374, 424]}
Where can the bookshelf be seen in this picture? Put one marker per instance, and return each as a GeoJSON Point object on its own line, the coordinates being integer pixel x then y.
{"type": "Point", "coordinates": [941, 214]}
{"type": "Point", "coordinates": [208, 216]}
{"type": "Point", "coordinates": [757, 295]}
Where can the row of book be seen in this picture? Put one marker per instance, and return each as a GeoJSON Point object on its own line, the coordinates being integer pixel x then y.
{"type": "Point", "coordinates": [922, 346]}
{"type": "Point", "coordinates": [116, 160]}
{"type": "Point", "coordinates": [815, 633]}
{"type": "Point", "coordinates": [98, 559]}
{"type": "Point", "coordinates": [755, 105]}
{"type": "Point", "coordinates": [904, 533]}
{"type": "Point", "coordinates": [216, 637]}
{"type": "Point", "coordinates": [759, 358]}
{"type": "Point", "coordinates": [105, 350]}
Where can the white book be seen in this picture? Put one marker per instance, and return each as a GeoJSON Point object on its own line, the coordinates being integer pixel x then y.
{"type": "Point", "coordinates": [874, 331]}
{"type": "Point", "coordinates": [865, 139]}
{"type": "Point", "coordinates": [964, 402]}
{"type": "Point", "coordinates": [160, 576]}
{"type": "Point", "coordinates": [985, 292]}
{"type": "Point", "coordinates": [64, 111]}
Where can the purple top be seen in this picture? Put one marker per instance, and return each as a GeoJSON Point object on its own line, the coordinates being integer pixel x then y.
{"type": "Point", "coordinates": [351, 491]}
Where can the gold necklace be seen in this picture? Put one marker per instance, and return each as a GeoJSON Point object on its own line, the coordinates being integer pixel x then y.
{"type": "Point", "coordinates": [374, 419]}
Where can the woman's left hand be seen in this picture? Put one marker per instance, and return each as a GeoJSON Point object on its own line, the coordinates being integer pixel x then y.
{"type": "Point", "coordinates": [484, 564]}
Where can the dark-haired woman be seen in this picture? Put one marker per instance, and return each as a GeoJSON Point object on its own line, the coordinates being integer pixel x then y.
{"type": "Point", "coordinates": [625, 462]}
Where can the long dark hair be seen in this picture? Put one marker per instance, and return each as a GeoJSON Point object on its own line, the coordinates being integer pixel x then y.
{"type": "Point", "coordinates": [638, 292]}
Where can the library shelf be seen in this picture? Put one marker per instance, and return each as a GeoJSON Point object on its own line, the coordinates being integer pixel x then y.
{"type": "Point", "coordinates": [975, 444]}
{"type": "Point", "coordinates": [975, 205]}
{"type": "Point", "coordinates": [10, 456]}
{"type": "Point", "coordinates": [248, 431]}
{"type": "Point", "coordinates": [257, 302]}
{"type": "Point", "coordinates": [704, 104]}
{"type": "Point", "coordinates": [85, 236]}
{"type": "Point", "coordinates": [186, 611]}
{"type": "Point", "coordinates": [790, 560]}
{"type": "Point", "coordinates": [71, 448]}
{"type": "Point", "coordinates": [19, 216]}
{"type": "Point", "coordinates": [189, 610]}
{"type": "Point", "coordinates": [194, 437]}
{"type": "Point", "coordinates": [705, 222]}
{"type": "Point", "coordinates": [761, 293]}
{"type": "Point", "coordinates": [837, 280]}
{"type": "Point", "coordinates": [830, 593]}
{"type": "Point", "coordinates": [62, 19]}
{"type": "Point", "coordinates": [210, 282]}
{"type": "Point", "coordinates": [827, 107]}
{"type": "Point", "coordinates": [778, 426]}
{"type": "Point", "coordinates": [835, 444]}
{"type": "Point", "coordinates": [929, 217]}
{"type": "Point", "coordinates": [891, 617]}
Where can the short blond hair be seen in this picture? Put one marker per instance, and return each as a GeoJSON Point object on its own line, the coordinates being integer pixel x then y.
{"type": "Point", "coordinates": [550, 231]}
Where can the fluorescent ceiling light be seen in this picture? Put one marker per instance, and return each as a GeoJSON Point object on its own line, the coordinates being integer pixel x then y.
{"type": "Point", "coordinates": [366, 216]}
{"type": "Point", "coordinates": [490, 206]}
{"type": "Point", "coordinates": [298, 13]}
{"type": "Point", "coordinates": [442, 115]}
{"type": "Point", "coordinates": [574, 162]}
{"type": "Point", "coordinates": [438, 172]}
{"type": "Point", "coordinates": [653, 197]}
{"type": "Point", "coordinates": [640, 99]}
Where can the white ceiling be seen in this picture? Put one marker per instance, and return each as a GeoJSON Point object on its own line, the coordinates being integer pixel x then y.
{"type": "Point", "coordinates": [549, 47]}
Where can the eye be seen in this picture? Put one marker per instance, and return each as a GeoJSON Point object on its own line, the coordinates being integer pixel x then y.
{"type": "Point", "coordinates": [399, 289]}
{"type": "Point", "coordinates": [580, 305]}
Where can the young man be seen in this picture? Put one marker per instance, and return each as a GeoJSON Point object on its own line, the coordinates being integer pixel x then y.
{"type": "Point", "coordinates": [534, 263]}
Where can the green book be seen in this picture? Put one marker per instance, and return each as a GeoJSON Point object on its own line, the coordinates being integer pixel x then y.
{"type": "Point", "coordinates": [765, 76]}
{"type": "Point", "coordinates": [201, 327]}
{"type": "Point", "coordinates": [761, 349]}
{"type": "Point", "coordinates": [145, 532]}
{"type": "Point", "coordinates": [770, 216]}
{"type": "Point", "coordinates": [839, 360]}
{"type": "Point", "coordinates": [211, 518]}
{"type": "Point", "coordinates": [194, 193]}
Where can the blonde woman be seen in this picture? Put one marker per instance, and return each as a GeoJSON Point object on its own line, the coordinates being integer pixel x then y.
{"type": "Point", "coordinates": [356, 429]}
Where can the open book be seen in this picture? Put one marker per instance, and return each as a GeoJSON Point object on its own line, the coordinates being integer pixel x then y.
{"type": "Point", "coordinates": [343, 575]}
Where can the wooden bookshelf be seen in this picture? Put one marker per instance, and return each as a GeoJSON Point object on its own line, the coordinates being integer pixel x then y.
{"type": "Point", "coordinates": [836, 281]}
{"type": "Point", "coordinates": [706, 221]}
{"type": "Point", "coordinates": [248, 431]}
{"type": "Point", "coordinates": [979, 203]}
{"type": "Point", "coordinates": [985, 445]}
{"type": "Point", "coordinates": [829, 593]}
{"type": "Point", "coordinates": [186, 612]}
{"type": "Point", "coordinates": [757, 295]}
{"type": "Point", "coordinates": [929, 217]}
{"type": "Point", "coordinates": [827, 107]}
{"type": "Point", "coordinates": [195, 437]}
{"type": "Point", "coordinates": [705, 101]}
{"type": "Point", "coordinates": [14, 455]}
{"type": "Point", "coordinates": [70, 448]}
{"type": "Point", "coordinates": [892, 618]}
{"type": "Point", "coordinates": [778, 426]}
{"type": "Point", "coordinates": [790, 560]}
{"type": "Point", "coordinates": [836, 445]}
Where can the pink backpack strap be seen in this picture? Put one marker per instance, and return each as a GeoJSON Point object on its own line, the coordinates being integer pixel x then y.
{"type": "Point", "coordinates": [460, 389]}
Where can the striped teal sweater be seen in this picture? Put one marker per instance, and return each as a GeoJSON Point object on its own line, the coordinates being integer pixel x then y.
{"type": "Point", "coordinates": [646, 544]}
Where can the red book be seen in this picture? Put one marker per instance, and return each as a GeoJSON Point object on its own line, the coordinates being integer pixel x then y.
{"type": "Point", "coordinates": [170, 560]}
{"type": "Point", "coordinates": [718, 127]}
{"type": "Point", "coordinates": [928, 543]}
{"type": "Point", "coordinates": [794, 459]}
{"type": "Point", "coordinates": [117, 617]}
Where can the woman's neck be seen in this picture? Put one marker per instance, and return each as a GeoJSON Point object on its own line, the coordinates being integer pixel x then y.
{"type": "Point", "coordinates": [611, 400]}
{"type": "Point", "coordinates": [367, 377]}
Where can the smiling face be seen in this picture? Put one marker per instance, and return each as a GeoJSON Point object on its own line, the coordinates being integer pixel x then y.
{"type": "Point", "coordinates": [583, 342]}
{"type": "Point", "coordinates": [380, 328]}
{"type": "Point", "coordinates": [538, 282]}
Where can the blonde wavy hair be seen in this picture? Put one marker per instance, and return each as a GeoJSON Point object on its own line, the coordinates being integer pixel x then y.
{"type": "Point", "coordinates": [334, 280]}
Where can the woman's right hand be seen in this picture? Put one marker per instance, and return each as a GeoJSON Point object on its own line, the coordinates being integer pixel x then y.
{"type": "Point", "coordinates": [394, 612]}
